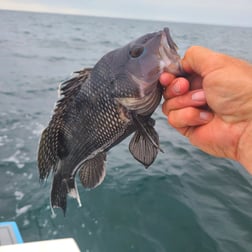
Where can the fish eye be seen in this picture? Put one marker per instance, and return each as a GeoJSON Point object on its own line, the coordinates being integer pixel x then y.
{"type": "Point", "coordinates": [136, 51]}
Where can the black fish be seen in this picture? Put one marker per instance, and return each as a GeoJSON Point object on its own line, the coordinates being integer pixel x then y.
{"type": "Point", "coordinates": [102, 106]}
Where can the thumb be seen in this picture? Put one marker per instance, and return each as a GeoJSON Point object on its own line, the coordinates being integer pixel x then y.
{"type": "Point", "coordinates": [201, 60]}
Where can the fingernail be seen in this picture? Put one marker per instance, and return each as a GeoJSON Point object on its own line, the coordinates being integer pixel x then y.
{"type": "Point", "coordinates": [199, 96]}
{"type": "Point", "coordinates": [205, 116]}
{"type": "Point", "coordinates": [176, 87]}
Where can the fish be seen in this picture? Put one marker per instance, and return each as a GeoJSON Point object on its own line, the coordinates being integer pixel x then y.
{"type": "Point", "coordinates": [101, 106]}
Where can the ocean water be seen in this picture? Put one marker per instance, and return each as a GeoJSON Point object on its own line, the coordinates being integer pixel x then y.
{"type": "Point", "coordinates": [186, 201]}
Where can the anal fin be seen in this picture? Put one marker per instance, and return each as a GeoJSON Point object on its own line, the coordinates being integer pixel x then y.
{"type": "Point", "coordinates": [92, 171]}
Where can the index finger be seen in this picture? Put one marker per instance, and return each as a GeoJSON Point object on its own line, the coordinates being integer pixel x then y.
{"type": "Point", "coordinates": [178, 86]}
{"type": "Point", "coordinates": [166, 79]}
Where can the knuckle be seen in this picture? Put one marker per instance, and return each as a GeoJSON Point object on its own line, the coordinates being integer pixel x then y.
{"type": "Point", "coordinates": [165, 109]}
{"type": "Point", "coordinates": [172, 120]}
{"type": "Point", "coordinates": [191, 50]}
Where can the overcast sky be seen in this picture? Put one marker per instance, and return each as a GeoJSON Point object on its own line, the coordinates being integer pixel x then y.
{"type": "Point", "coordinates": [227, 12]}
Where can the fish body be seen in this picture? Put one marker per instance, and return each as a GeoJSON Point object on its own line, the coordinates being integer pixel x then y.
{"type": "Point", "coordinates": [99, 108]}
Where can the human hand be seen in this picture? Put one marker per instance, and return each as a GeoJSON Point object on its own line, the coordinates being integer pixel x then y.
{"type": "Point", "coordinates": [224, 84]}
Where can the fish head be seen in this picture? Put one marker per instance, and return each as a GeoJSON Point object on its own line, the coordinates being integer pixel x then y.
{"type": "Point", "coordinates": [137, 67]}
{"type": "Point", "coordinates": [151, 55]}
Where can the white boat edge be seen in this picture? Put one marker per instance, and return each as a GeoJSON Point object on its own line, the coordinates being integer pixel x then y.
{"type": "Point", "coordinates": [12, 241]}
{"type": "Point", "coordinates": [62, 245]}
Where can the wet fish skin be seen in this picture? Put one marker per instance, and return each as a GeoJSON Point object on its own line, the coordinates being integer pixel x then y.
{"type": "Point", "coordinates": [102, 106]}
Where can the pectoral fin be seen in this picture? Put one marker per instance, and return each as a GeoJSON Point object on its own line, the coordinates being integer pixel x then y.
{"type": "Point", "coordinates": [144, 145]}
{"type": "Point", "coordinates": [92, 172]}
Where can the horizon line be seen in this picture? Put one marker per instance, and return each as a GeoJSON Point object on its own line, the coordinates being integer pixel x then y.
{"type": "Point", "coordinates": [118, 17]}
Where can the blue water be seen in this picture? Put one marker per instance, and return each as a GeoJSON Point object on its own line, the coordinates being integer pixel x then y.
{"type": "Point", "coordinates": [186, 201]}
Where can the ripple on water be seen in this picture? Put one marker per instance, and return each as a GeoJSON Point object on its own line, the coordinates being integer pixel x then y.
{"type": "Point", "coordinates": [19, 158]}
{"type": "Point", "coordinates": [23, 210]}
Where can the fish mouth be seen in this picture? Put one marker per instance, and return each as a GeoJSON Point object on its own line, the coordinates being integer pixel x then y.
{"type": "Point", "coordinates": [170, 60]}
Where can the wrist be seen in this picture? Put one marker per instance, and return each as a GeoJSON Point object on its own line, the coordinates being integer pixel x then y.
{"type": "Point", "coordinates": [244, 150]}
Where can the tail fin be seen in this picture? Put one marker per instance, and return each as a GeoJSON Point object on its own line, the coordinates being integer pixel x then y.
{"type": "Point", "coordinates": [59, 192]}
{"type": "Point", "coordinates": [61, 187]}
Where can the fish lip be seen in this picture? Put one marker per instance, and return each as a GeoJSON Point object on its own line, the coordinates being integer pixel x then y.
{"type": "Point", "coordinates": [167, 38]}
{"type": "Point", "coordinates": [170, 59]}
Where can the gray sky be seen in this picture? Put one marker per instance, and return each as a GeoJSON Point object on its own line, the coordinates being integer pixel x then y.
{"type": "Point", "coordinates": [227, 12]}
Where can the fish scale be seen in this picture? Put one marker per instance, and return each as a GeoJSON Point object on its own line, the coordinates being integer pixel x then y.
{"type": "Point", "coordinates": [100, 107]}
{"type": "Point", "coordinates": [99, 127]}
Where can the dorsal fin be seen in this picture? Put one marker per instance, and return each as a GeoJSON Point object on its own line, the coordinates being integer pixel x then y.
{"type": "Point", "coordinates": [53, 143]}
{"type": "Point", "coordinates": [73, 85]}
{"type": "Point", "coordinates": [47, 156]}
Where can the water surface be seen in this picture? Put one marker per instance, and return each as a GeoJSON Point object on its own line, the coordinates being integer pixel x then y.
{"type": "Point", "coordinates": [186, 201]}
